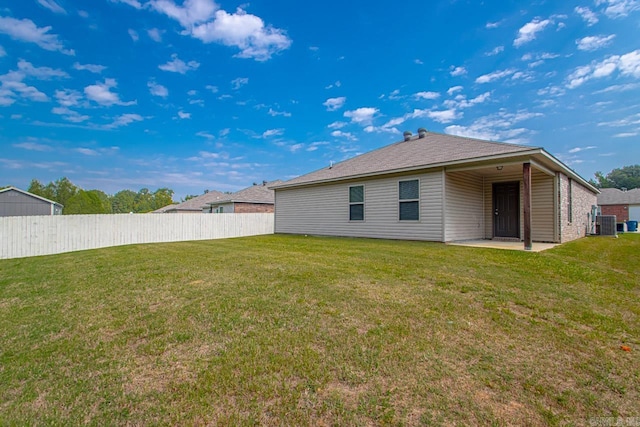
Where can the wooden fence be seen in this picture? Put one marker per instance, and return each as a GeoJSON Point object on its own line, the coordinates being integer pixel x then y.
{"type": "Point", "coordinates": [26, 236]}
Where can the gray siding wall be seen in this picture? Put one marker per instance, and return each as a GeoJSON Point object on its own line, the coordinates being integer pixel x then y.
{"type": "Point", "coordinates": [15, 203]}
{"type": "Point", "coordinates": [324, 210]}
{"type": "Point", "coordinates": [542, 205]}
{"type": "Point", "coordinates": [464, 219]}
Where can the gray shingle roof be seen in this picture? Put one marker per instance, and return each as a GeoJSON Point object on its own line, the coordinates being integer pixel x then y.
{"type": "Point", "coordinates": [196, 204]}
{"type": "Point", "coordinates": [433, 149]}
{"type": "Point", "coordinates": [259, 193]}
{"type": "Point", "coordinates": [613, 196]}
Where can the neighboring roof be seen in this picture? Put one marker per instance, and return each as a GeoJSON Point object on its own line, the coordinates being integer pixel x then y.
{"type": "Point", "coordinates": [30, 194]}
{"type": "Point", "coordinates": [613, 196]}
{"type": "Point", "coordinates": [432, 150]}
{"type": "Point", "coordinates": [195, 204]}
{"type": "Point", "coordinates": [257, 193]}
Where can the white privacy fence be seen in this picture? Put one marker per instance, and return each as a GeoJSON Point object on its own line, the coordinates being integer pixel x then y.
{"type": "Point", "coordinates": [26, 236]}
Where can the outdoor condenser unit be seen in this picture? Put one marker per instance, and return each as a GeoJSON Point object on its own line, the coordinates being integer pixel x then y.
{"type": "Point", "coordinates": [607, 225]}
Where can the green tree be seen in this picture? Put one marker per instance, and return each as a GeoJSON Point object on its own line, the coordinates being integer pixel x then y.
{"type": "Point", "coordinates": [162, 197]}
{"type": "Point", "coordinates": [37, 188]}
{"type": "Point", "coordinates": [123, 201]}
{"type": "Point", "coordinates": [625, 177]}
{"type": "Point", "coordinates": [64, 190]}
{"type": "Point", "coordinates": [88, 202]}
{"type": "Point", "coordinates": [143, 201]}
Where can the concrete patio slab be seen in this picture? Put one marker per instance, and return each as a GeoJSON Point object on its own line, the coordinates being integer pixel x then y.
{"type": "Point", "coordinates": [497, 244]}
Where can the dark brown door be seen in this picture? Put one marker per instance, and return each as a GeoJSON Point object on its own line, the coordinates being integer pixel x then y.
{"type": "Point", "coordinates": [506, 209]}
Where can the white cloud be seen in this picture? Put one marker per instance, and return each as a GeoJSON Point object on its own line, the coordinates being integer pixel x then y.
{"type": "Point", "coordinates": [89, 67]}
{"type": "Point", "coordinates": [239, 82]}
{"type": "Point", "coordinates": [529, 31]}
{"type": "Point", "coordinates": [134, 35]}
{"type": "Point", "coordinates": [246, 32]}
{"type": "Point", "coordinates": [213, 89]}
{"type": "Point", "coordinates": [33, 146]}
{"type": "Point", "coordinates": [70, 115]}
{"type": "Point", "coordinates": [124, 120]}
{"type": "Point", "coordinates": [496, 50]}
{"type": "Point", "coordinates": [182, 115]}
{"type": "Point", "coordinates": [100, 93]}
{"type": "Point", "coordinates": [272, 132]}
{"type": "Point", "coordinates": [191, 12]}
{"type": "Point", "coordinates": [362, 116]}
{"type": "Point", "coordinates": [454, 89]}
{"type": "Point", "coordinates": [586, 14]}
{"type": "Point", "coordinates": [202, 19]}
{"type": "Point", "coordinates": [488, 78]}
{"type": "Point", "coordinates": [2, 52]}
{"type": "Point", "coordinates": [176, 65]}
{"type": "Point", "coordinates": [205, 135]}
{"type": "Point", "coordinates": [625, 134]}
{"type": "Point", "coordinates": [591, 43]}
{"type": "Point", "coordinates": [295, 147]}
{"type": "Point", "coordinates": [461, 101]}
{"type": "Point", "coordinates": [346, 135]}
{"type": "Point", "coordinates": [427, 95]}
{"type": "Point", "coordinates": [157, 89]}
{"type": "Point", "coordinates": [443, 116]}
{"type": "Point", "coordinates": [68, 97]}
{"type": "Point", "coordinates": [626, 65]}
{"type": "Point", "coordinates": [619, 8]}
{"type": "Point", "coordinates": [496, 127]}
{"type": "Point", "coordinates": [155, 34]}
{"type": "Point", "coordinates": [52, 6]}
{"type": "Point", "coordinates": [491, 25]}
{"type": "Point", "coordinates": [25, 30]}
{"type": "Point", "coordinates": [337, 125]}
{"type": "Point", "coordinates": [274, 113]}
{"type": "Point", "coordinates": [132, 3]}
{"type": "Point", "coordinates": [579, 149]}
{"type": "Point", "coordinates": [418, 61]}
{"type": "Point", "coordinates": [334, 104]}
{"type": "Point", "coordinates": [42, 73]}
{"type": "Point", "coordinates": [457, 71]}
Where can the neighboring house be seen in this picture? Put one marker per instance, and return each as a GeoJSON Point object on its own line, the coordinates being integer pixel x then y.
{"type": "Point", "coordinates": [624, 204]}
{"type": "Point", "coordinates": [193, 205]}
{"type": "Point", "coordinates": [16, 202]}
{"type": "Point", "coordinates": [440, 188]}
{"type": "Point", "coordinates": [259, 198]}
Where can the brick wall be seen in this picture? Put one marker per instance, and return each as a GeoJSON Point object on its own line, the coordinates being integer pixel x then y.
{"type": "Point", "coordinates": [253, 208]}
{"type": "Point", "coordinates": [620, 211]}
{"type": "Point", "coordinates": [577, 225]}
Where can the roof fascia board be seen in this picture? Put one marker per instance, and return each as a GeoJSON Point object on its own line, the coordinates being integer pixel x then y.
{"type": "Point", "coordinates": [566, 170]}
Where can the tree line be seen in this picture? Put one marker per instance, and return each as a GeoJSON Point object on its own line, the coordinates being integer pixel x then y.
{"type": "Point", "coordinates": [78, 201]}
{"type": "Point", "coordinates": [626, 177]}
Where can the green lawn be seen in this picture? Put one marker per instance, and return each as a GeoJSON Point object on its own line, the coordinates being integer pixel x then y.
{"type": "Point", "coordinates": [294, 330]}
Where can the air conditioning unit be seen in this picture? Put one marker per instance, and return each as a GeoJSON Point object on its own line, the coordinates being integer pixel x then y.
{"type": "Point", "coordinates": [607, 225]}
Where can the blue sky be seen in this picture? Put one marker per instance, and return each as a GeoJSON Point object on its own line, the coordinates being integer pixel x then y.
{"type": "Point", "coordinates": [197, 94]}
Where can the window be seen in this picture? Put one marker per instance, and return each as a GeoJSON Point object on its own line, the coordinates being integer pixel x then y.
{"type": "Point", "coordinates": [409, 197]}
{"type": "Point", "coordinates": [356, 203]}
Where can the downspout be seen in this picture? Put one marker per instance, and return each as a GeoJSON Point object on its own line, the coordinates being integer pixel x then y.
{"type": "Point", "coordinates": [556, 208]}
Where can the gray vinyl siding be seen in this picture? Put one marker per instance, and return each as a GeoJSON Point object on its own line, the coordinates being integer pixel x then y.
{"type": "Point", "coordinates": [15, 203]}
{"type": "Point", "coordinates": [464, 218]}
{"type": "Point", "coordinates": [324, 209]}
{"type": "Point", "coordinates": [542, 205]}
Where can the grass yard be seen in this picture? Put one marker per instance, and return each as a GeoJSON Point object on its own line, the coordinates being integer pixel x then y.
{"type": "Point", "coordinates": [294, 330]}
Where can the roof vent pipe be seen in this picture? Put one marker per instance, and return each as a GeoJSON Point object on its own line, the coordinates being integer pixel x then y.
{"type": "Point", "coordinates": [407, 135]}
{"type": "Point", "coordinates": [422, 132]}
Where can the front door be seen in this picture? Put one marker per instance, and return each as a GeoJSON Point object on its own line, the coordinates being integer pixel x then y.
{"type": "Point", "coordinates": [506, 209]}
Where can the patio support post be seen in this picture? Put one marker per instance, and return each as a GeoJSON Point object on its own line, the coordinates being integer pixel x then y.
{"type": "Point", "coordinates": [526, 178]}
